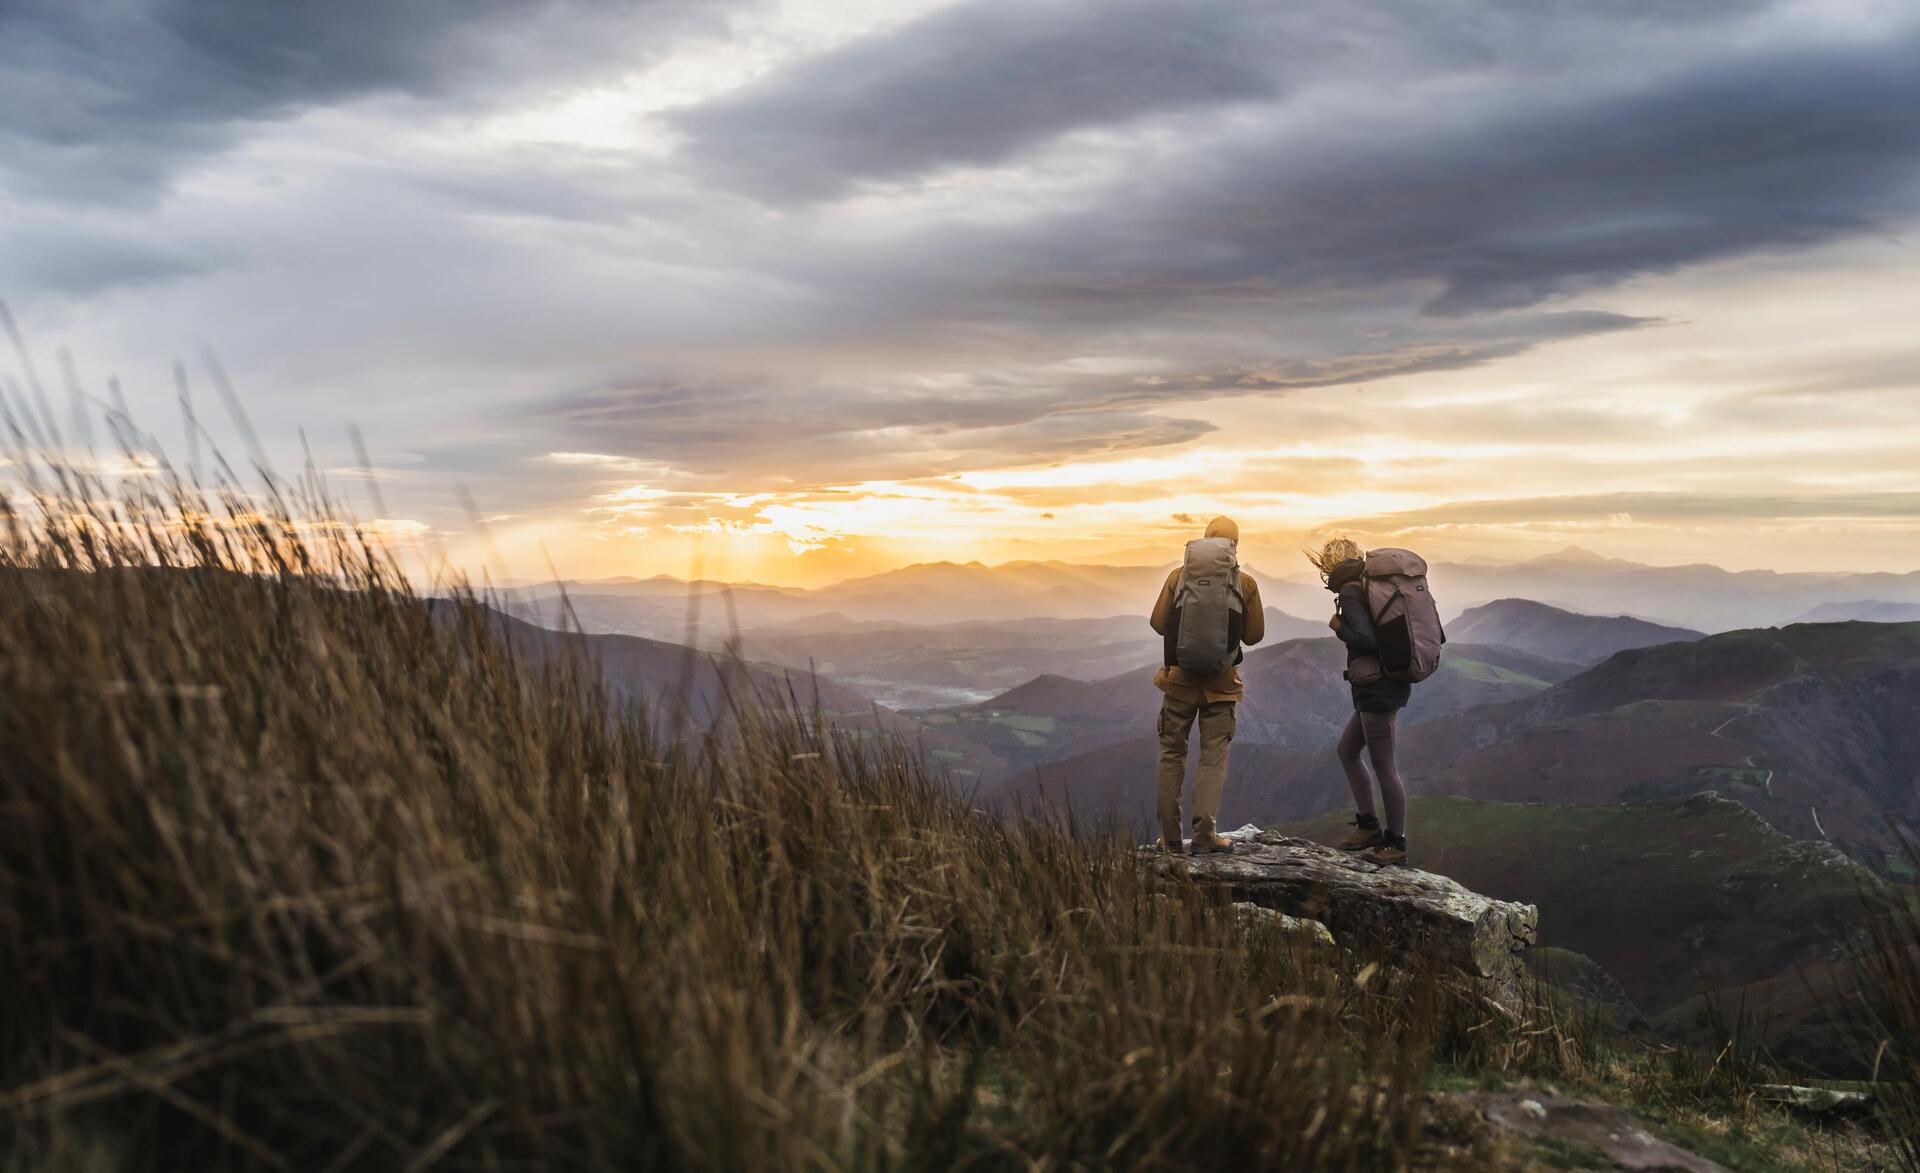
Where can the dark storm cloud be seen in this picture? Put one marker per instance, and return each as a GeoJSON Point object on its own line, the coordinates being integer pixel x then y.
{"type": "Point", "coordinates": [977, 82]}
{"type": "Point", "coordinates": [1497, 201]}
{"type": "Point", "coordinates": [848, 431]}
{"type": "Point", "coordinates": [105, 99]}
{"type": "Point", "coordinates": [1495, 154]}
{"type": "Point", "coordinates": [1779, 151]}
{"type": "Point", "coordinates": [718, 426]}
{"type": "Point", "coordinates": [1517, 336]}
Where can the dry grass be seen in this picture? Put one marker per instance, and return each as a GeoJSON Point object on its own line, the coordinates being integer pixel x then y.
{"type": "Point", "coordinates": [298, 871]}
{"type": "Point", "coordinates": [1887, 1011]}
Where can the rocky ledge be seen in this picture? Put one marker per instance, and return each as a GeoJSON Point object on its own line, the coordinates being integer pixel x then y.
{"type": "Point", "coordinates": [1403, 911]}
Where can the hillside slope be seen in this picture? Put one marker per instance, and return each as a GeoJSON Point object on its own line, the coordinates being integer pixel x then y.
{"type": "Point", "coordinates": [674, 681]}
{"type": "Point", "coordinates": [670, 674]}
{"type": "Point", "coordinates": [1556, 634]}
{"type": "Point", "coordinates": [1698, 892]}
{"type": "Point", "coordinates": [1815, 726]}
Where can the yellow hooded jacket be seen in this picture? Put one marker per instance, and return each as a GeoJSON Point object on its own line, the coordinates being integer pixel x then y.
{"type": "Point", "coordinates": [1224, 686]}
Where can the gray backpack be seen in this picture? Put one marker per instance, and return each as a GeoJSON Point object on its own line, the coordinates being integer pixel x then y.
{"type": "Point", "coordinates": [1203, 634]}
{"type": "Point", "coordinates": [1406, 620]}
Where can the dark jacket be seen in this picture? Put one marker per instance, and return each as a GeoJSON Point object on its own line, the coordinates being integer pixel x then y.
{"type": "Point", "coordinates": [1356, 631]}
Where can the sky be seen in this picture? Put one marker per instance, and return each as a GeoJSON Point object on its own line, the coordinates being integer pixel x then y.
{"type": "Point", "coordinates": [790, 292]}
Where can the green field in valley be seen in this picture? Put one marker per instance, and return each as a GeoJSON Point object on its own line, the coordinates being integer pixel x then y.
{"type": "Point", "coordinates": [1491, 673]}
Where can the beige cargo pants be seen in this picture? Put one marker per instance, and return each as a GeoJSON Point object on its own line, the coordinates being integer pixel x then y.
{"type": "Point", "coordinates": [1177, 718]}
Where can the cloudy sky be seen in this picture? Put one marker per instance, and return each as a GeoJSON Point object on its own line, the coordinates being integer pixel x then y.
{"type": "Point", "coordinates": [803, 289]}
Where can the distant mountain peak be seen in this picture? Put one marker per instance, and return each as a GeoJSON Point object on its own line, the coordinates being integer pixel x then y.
{"type": "Point", "coordinates": [1577, 556]}
{"type": "Point", "coordinates": [1862, 610]}
{"type": "Point", "coordinates": [1515, 602]}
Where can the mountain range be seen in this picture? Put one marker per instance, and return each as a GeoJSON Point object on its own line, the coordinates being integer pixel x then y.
{"type": "Point", "coordinates": [1704, 597]}
{"type": "Point", "coordinates": [1863, 610]}
{"type": "Point", "coordinates": [925, 593]}
{"type": "Point", "coordinates": [1561, 635]}
{"type": "Point", "coordinates": [1696, 597]}
{"type": "Point", "coordinates": [983, 629]}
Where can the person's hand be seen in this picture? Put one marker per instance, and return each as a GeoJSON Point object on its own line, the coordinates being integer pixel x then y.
{"type": "Point", "coordinates": [1334, 623]}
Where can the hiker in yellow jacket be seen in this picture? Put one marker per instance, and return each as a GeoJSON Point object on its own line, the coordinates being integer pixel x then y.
{"type": "Point", "coordinates": [1206, 700]}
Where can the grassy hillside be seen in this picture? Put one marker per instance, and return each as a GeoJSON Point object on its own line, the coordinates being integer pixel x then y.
{"type": "Point", "coordinates": [1816, 727]}
{"type": "Point", "coordinates": [699, 682]}
{"type": "Point", "coordinates": [1671, 898]}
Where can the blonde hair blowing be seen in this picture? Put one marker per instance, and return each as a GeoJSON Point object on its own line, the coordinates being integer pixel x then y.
{"type": "Point", "coordinates": [1333, 553]}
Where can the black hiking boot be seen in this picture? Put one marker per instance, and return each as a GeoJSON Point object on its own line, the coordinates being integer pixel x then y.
{"type": "Point", "coordinates": [1391, 850]}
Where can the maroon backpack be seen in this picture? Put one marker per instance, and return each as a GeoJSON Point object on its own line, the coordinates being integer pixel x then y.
{"type": "Point", "coordinates": [1406, 621]}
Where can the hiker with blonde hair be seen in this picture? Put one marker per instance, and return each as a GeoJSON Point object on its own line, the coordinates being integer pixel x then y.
{"type": "Point", "coordinates": [1207, 609]}
{"type": "Point", "coordinates": [1377, 701]}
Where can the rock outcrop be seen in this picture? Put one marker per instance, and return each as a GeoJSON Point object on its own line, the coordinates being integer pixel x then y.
{"type": "Point", "coordinates": [1402, 911]}
{"type": "Point", "coordinates": [1584, 1134]}
{"type": "Point", "coordinates": [1815, 1101]}
{"type": "Point", "coordinates": [1293, 926]}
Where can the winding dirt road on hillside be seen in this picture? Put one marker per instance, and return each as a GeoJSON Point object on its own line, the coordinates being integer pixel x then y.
{"type": "Point", "coordinates": [1766, 783]}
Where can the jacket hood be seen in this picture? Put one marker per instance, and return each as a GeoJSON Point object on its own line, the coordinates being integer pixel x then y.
{"type": "Point", "coordinates": [1346, 572]}
{"type": "Point", "coordinates": [1224, 527]}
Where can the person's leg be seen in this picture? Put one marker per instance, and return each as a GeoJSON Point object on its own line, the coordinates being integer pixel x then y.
{"type": "Point", "coordinates": [1352, 740]}
{"type": "Point", "coordinates": [1217, 720]}
{"type": "Point", "coordinates": [1378, 728]}
{"type": "Point", "coordinates": [1176, 722]}
{"type": "Point", "coordinates": [1366, 824]}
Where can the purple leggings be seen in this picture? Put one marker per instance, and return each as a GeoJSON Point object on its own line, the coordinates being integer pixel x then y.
{"type": "Point", "coordinates": [1374, 733]}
